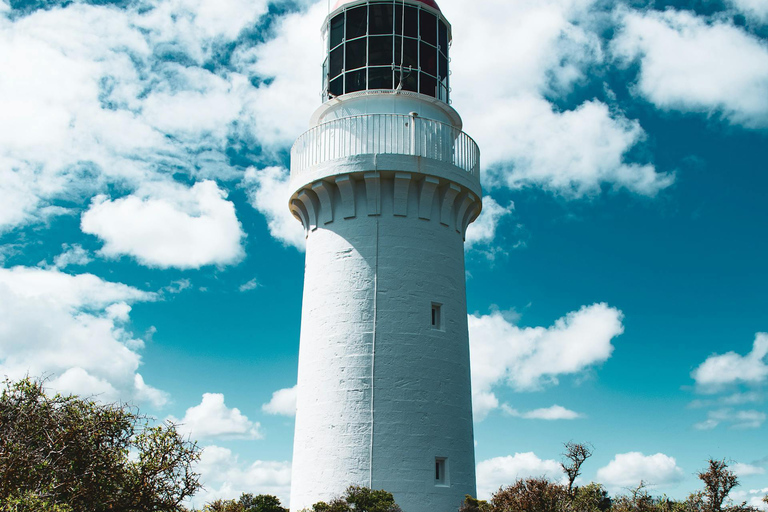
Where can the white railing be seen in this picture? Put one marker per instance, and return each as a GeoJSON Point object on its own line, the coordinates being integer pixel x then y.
{"type": "Point", "coordinates": [384, 134]}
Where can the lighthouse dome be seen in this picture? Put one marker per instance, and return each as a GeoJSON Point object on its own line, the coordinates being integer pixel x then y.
{"type": "Point", "coordinates": [430, 3]}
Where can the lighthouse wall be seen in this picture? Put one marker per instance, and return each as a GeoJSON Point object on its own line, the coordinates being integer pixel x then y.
{"type": "Point", "coordinates": [383, 393]}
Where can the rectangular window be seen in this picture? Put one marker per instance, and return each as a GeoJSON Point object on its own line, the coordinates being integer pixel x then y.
{"type": "Point", "coordinates": [408, 26]}
{"type": "Point", "coordinates": [436, 320]}
{"type": "Point", "coordinates": [381, 19]}
{"type": "Point", "coordinates": [441, 471]}
{"type": "Point", "coordinates": [357, 20]}
{"type": "Point", "coordinates": [337, 30]}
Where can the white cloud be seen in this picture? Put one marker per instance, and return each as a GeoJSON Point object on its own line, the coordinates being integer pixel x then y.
{"type": "Point", "coordinates": [555, 412]}
{"type": "Point", "coordinates": [212, 418]}
{"type": "Point", "coordinates": [529, 358]}
{"type": "Point", "coordinates": [501, 471]}
{"type": "Point", "coordinates": [524, 139]}
{"type": "Point", "coordinates": [719, 371]}
{"type": "Point", "coordinates": [572, 153]}
{"type": "Point", "coordinates": [279, 112]}
{"type": "Point", "coordinates": [689, 64]}
{"type": "Point", "coordinates": [483, 230]}
{"type": "Point", "coordinates": [249, 285]}
{"type": "Point", "coordinates": [225, 477]}
{"type": "Point", "coordinates": [736, 419]}
{"type": "Point", "coordinates": [97, 100]}
{"type": "Point", "coordinates": [182, 228]}
{"type": "Point", "coordinates": [268, 191]}
{"type": "Point", "coordinates": [629, 469]}
{"type": "Point", "coordinates": [73, 255]}
{"type": "Point", "coordinates": [283, 402]}
{"type": "Point", "coordinates": [756, 9]}
{"type": "Point", "coordinates": [72, 328]}
{"type": "Point", "coordinates": [741, 469]}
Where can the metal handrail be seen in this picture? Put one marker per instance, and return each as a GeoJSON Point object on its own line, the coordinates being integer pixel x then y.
{"type": "Point", "coordinates": [384, 134]}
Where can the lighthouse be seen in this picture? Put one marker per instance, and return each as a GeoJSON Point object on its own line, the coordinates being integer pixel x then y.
{"type": "Point", "coordinates": [385, 183]}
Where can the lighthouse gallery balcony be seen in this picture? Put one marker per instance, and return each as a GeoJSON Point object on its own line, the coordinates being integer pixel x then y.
{"type": "Point", "coordinates": [387, 141]}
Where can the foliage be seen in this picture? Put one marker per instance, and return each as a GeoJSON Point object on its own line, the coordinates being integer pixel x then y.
{"type": "Point", "coordinates": [67, 454]}
{"type": "Point", "coordinates": [474, 505]}
{"type": "Point", "coordinates": [718, 482]}
{"type": "Point", "coordinates": [575, 454]}
{"type": "Point", "coordinates": [591, 498]}
{"type": "Point", "coordinates": [638, 500]}
{"type": "Point", "coordinates": [530, 495]}
{"type": "Point", "coordinates": [471, 504]}
{"type": "Point", "coordinates": [360, 499]}
{"type": "Point", "coordinates": [247, 503]}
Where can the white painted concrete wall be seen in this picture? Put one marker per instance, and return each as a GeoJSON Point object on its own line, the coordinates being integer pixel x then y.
{"type": "Point", "coordinates": [381, 393]}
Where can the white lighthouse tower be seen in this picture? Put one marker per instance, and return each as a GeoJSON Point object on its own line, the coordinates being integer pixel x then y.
{"type": "Point", "coordinates": [385, 184]}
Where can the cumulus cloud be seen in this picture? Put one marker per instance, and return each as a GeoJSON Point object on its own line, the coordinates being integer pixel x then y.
{"type": "Point", "coordinates": [499, 471]}
{"type": "Point", "coordinates": [555, 412]}
{"type": "Point", "coordinates": [629, 469]}
{"type": "Point", "coordinates": [721, 370]}
{"type": "Point", "coordinates": [104, 96]}
{"type": "Point", "coordinates": [279, 111]}
{"type": "Point", "coordinates": [268, 191]}
{"type": "Point", "coordinates": [530, 358]}
{"type": "Point", "coordinates": [73, 255]}
{"type": "Point", "coordinates": [736, 419]}
{"type": "Point", "coordinates": [755, 9]}
{"type": "Point", "coordinates": [182, 228]}
{"type": "Point", "coordinates": [212, 418]}
{"type": "Point", "coordinates": [483, 230]}
{"type": "Point", "coordinates": [741, 469]}
{"type": "Point", "coordinates": [283, 402]}
{"type": "Point", "coordinates": [572, 153]}
{"type": "Point", "coordinates": [226, 477]}
{"type": "Point", "coordinates": [249, 285]}
{"type": "Point", "coordinates": [692, 65]}
{"type": "Point", "coordinates": [525, 140]}
{"type": "Point", "coordinates": [73, 329]}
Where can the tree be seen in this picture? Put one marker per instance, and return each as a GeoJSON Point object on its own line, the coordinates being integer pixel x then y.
{"type": "Point", "coordinates": [638, 500]}
{"type": "Point", "coordinates": [474, 505]}
{"type": "Point", "coordinates": [261, 503]}
{"type": "Point", "coordinates": [718, 482]}
{"type": "Point", "coordinates": [575, 454]}
{"type": "Point", "coordinates": [591, 498]}
{"type": "Point", "coordinates": [360, 499]}
{"type": "Point", "coordinates": [530, 495]}
{"type": "Point", "coordinates": [67, 454]}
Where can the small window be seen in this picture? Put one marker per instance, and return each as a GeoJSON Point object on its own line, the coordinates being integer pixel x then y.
{"type": "Point", "coordinates": [436, 320]}
{"type": "Point", "coordinates": [441, 471]}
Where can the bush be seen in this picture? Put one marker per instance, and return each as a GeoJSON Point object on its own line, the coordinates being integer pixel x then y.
{"type": "Point", "coordinates": [67, 454]}
{"type": "Point", "coordinates": [531, 495]}
{"type": "Point", "coordinates": [360, 499]}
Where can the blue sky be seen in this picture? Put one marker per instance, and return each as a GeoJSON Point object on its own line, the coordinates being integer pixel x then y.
{"type": "Point", "coordinates": [616, 278]}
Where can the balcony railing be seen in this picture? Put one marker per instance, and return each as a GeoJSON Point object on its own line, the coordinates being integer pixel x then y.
{"type": "Point", "coordinates": [384, 134]}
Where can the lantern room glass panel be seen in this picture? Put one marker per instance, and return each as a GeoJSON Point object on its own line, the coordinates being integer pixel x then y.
{"type": "Point", "coordinates": [387, 45]}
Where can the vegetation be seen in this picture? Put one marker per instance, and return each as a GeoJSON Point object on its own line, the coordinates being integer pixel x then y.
{"type": "Point", "coordinates": [68, 454]}
{"type": "Point", "coordinates": [542, 495]}
{"type": "Point", "coordinates": [247, 503]}
{"type": "Point", "coordinates": [359, 499]}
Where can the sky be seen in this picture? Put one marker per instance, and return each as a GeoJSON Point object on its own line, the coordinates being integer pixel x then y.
{"type": "Point", "coordinates": [616, 279]}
